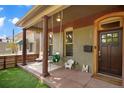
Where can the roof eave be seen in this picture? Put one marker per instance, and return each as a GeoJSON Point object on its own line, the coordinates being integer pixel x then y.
{"type": "Point", "coordinates": [50, 11]}
{"type": "Point", "coordinates": [19, 23]}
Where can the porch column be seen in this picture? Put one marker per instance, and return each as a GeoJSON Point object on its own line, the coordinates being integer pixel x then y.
{"type": "Point", "coordinates": [24, 47]}
{"type": "Point", "coordinates": [123, 58]}
{"type": "Point", "coordinates": [45, 46]}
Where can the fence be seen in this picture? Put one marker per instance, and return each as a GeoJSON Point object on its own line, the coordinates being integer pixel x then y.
{"type": "Point", "coordinates": [12, 60]}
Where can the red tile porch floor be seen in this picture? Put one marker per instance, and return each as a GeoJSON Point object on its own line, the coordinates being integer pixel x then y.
{"type": "Point", "coordinates": [65, 78]}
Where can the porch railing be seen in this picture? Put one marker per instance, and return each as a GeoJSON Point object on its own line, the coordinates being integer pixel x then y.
{"type": "Point", "coordinates": [12, 60]}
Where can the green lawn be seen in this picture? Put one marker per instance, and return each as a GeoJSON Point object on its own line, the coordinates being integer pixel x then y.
{"type": "Point", "coordinates": [18, 78]}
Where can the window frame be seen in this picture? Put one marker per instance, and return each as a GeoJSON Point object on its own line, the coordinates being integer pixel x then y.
{"type": "Point", "coordinates": [70, 29]}
{"type": "Point", "coordinates": [109, 21]}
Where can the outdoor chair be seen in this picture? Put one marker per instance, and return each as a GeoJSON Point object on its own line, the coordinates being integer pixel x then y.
{"type": "Point", "coordinates": [40, 58]}
{"type": "Point", "coordinates": [85, 68]}
{"type": "Point", "coordinates": [69, 64]}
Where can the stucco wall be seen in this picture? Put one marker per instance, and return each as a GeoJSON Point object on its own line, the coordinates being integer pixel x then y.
{"type": "Point", "coordinates": [83, 36]}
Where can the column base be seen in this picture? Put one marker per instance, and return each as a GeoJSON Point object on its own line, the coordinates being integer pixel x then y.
{"type": "Point", "coordinates": [45, 74]}
{"type": "Point", "coordinates": [23, 64]}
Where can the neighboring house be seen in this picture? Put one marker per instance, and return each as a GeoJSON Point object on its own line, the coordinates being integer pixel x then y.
{"type": "Point", "coordinates": [91, 35]}
{"type": "Point", "coordinates": [32, 42]}
{"type": "Point", "coordinates": [4, 46]}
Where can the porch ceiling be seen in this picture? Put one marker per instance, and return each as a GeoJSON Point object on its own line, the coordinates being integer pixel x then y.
{"type": "Point", "coordinates": [76, 12]}
{"type": "Point", "coordinates": [35, 15]}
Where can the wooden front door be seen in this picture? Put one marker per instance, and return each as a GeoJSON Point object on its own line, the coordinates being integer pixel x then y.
{"type": "Point", "coordinates": [110, 52]}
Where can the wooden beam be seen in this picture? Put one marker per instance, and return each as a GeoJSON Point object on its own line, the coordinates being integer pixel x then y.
{"type": "Point", "coordinates": [35, 29]}
{"type": "Point", "coordinates": [45, 46]}
{"type": "Point", "coordinates": [24, 47]}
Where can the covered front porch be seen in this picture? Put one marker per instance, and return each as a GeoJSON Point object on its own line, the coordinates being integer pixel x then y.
{"type": "Point", "coordinates": [65, 78]}
{"type": "Point", "coordinates": [67, 30]}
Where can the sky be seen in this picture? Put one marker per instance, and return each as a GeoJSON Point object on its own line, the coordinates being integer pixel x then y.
{"type": "Point", "coordinates": [9, 15]}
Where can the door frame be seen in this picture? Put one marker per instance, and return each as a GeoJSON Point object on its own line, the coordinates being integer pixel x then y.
{"type": "Point", "coordinates": [107, 17]}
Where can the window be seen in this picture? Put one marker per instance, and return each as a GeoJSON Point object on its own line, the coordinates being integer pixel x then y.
{"type": "Point", "coordinates": [50, 44]}
{"type": "Point", "coordinates": [115, 38]}
{"type": "Point", "coordinates": [69, 43]}
{"type": "Point", "coordinates": [20, 47]}
{"type": "Point", "coordinates": [110, 38]}
{"type": "Point", "coordinates": [30, 47]}
{"type": "Point", "coordinates": [110, 25]}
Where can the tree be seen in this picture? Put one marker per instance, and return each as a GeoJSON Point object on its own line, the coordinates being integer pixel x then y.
{"type": "Point", "coordinates": [13, 47]}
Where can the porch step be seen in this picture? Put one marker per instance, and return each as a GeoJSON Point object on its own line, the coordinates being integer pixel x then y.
{"type": "Point", "coordinates": [110, 79]}
{"type": "Point", "coordinates": [48, 82]}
